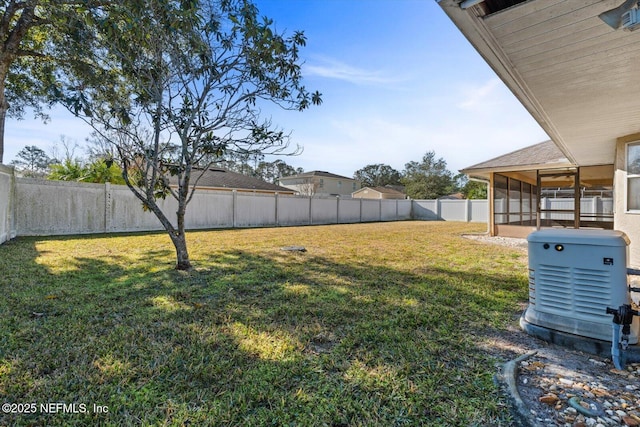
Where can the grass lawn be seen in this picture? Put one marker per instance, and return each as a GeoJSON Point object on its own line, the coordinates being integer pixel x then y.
{"type": "Point", "coordinates": [375, 325]}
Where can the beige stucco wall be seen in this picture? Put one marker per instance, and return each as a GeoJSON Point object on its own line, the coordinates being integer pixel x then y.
{"type": "Point", "coordinates": [625, 221]}
{"type": "Point", "coordinates": [367, 194]}
{"type": "Point", "coordinates": [320, 185]}
{"type": "Point", "coordinates": [336, 186]}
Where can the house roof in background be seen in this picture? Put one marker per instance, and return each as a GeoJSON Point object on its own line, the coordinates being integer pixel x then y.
{"type": "Point", "coordinates": [544, 155]}
{"type": "Point", "coordinates": [316, 173]}
{"type": "Point", "coordinates": [217, 178]}
{"type": "Point", "coordinates": [383, 190]}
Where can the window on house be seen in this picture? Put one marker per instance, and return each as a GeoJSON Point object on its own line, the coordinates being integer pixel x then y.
{"type": "Point", "coordinates": [321, 183]}
{"type": "Point", "coordinates": [633, 177]}
{"type": "Point", "coordinates": [339, 184]}
{"type": "Point", "coordinates": [501, 190]}
{"type": "Point", "coordinates": [514, 201]}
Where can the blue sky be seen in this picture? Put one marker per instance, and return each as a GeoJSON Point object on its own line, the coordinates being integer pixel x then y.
{"type": "Point", "coordinates": [398, 79]}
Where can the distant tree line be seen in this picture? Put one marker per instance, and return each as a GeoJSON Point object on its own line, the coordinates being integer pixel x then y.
{"type": "Point", "coordinates": [428, 178]}
{"type": "Point", "coordinates": [97, 167]}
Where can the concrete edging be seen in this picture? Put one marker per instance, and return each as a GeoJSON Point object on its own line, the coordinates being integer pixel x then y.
{"type": "Point", "coordinates": [508, 379]}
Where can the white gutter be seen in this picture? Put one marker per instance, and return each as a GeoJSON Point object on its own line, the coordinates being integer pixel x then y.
{"type": "Point", "coordinates": [466, 4]}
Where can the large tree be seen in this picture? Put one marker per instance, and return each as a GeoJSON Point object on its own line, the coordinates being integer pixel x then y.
{"type": "Point", "coordinates": [429, 178]}
{"type": "Point", "coordinates": [377, 175]}
{"type": "Point", "coordinates": [32, 161]}
{"type": "Point", "coordinates": [174, 84]}
{"type": "Point", "coordinates": [35, 37]}
{"type": "Point", "coordinates": [273, 171]}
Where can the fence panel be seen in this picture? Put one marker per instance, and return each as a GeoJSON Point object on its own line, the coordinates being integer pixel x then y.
{"type": "Point", "coordinates": [479, 211]}
{"type": "Point", "coordinates": [49, 208]}
{"type": "Point", "coordinates": [44, 207]}
{"type": "Point", "coordinates": [370, 210]}
{"type": "Point", "coordinates": [425, 210]}
{"type": "Point", "coordinates": [210, 209]}
{"type": "Point", "coordinates": [388, 210]}
{"type": "Point", "coordinates": [293, 210]}
{"type": "Point", "coordinates": [6, 203]}
{"type": "Point", "coordinates": [254, 210]}
{"type": "Point", "coordinates": [453, 210]}
{"type": "Point", "coordinates": [324, 211]}
{"type": "Point", "coordinates": [404, 209]}
{"type": "Point", "coordinates": [349, 211]}
{"type": "Point", "coordinates": [124, 211]}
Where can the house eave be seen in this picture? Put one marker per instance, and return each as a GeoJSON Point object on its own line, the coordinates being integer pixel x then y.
{"type": "Point", "coordinates": [472, 27]}
{"type": "Point", "coordinates": [519, 168]}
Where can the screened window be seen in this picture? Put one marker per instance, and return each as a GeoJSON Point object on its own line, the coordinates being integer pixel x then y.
{"type": "Point", "coordinates": [514, 201]}
{"type": "Point", "coordinates": [633, 177]}
{"type": "Point", "coordinates": [501, 191]}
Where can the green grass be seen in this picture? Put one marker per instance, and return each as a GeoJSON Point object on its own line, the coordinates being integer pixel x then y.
{"type": "Point", "coordinates": [376, 324]}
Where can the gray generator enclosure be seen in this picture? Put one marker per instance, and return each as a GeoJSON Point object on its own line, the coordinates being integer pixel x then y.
{"type": "Point", "coordinates": [574, 275]}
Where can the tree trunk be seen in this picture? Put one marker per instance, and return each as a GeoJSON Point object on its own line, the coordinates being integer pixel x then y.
{"type": "Point", "coordinates": [182, 255]}
{"type": "Point", "coordinates": [179, 238]}
{"type": "Point", "coordinates": [4, 107]}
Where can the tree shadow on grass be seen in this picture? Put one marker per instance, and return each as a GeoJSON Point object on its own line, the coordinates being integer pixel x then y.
{"type": "Point", "coordinates": [250, 339]}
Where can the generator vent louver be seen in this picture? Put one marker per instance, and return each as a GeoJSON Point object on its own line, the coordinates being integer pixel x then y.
{"type": "Point", "coordinates": [581, 291]}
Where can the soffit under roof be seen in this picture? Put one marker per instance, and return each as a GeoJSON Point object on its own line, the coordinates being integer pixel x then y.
{"type": "Point", "coordinates": [574, 74]}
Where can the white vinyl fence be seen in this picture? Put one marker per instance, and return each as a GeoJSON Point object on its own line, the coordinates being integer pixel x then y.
{"type": "Point", "coordinates": [594, 208]}
{"type": "Point", "coordinates": [7, 230]}
{"type": "Point", "coordinates": [41, 207]}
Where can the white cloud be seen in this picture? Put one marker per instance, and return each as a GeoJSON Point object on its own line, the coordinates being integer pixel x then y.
{"type": "Point", "coordinates": [334, 69]}
{"type": "Point", "coordinates": [479, 97]}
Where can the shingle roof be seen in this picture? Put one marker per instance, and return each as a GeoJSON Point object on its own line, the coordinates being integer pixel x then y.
{"type": "Point", "coordinates": [534, 156]}
{"type": "Point", "coordinates": [316, 173]}
{"type": "Point", "coordinates": [222, 178]}
{"type": "Point", "coordinates": [384, 190]}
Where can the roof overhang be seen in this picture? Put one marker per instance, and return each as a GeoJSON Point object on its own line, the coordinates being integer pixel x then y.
{"type": "Point", "coordinates": [574, 74]}
{"type": "Point", "coordinates": [485, 172]}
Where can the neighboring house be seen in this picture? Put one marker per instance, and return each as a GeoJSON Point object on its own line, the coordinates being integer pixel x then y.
{"type": "Point", "coordinates": [225, 180]}
{"type": "Point", "coordinates": [577, 76]}
{"type": "Point", "coordinates": [320, 183]}
{"type": "Point", "coordinates": [378, 193]}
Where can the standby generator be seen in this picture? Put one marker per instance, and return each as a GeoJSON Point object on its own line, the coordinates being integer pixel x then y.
{"type": "Point", "coordinates": [579, 292]}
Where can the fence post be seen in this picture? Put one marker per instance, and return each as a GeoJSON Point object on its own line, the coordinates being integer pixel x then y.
{"type": "Point", "coordinates": [310, 210]}
{"type": "Point", "coordinates": [276, 208]}
{"type": "Point", "coordinates": [234, 206]}
{"type": "Point", "coordinates": [108, 220]}
{"type": "Point", "coordinates": [468, 210]}
{"type": "Point", "coordinates": [12, 230]}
